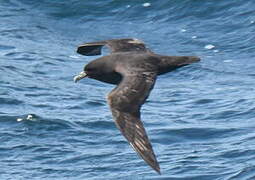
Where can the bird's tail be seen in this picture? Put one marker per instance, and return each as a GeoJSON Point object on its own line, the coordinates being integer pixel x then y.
{"type": "Point", "coordinates": [170, 63]}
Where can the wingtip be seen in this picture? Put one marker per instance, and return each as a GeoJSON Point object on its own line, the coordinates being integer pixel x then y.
{"type": "Point", "coordinates": [154, 165]}
{"type": "Point", "coordinates": [89, 50]}
{"type": "Point", "coordinates": [157, 169]}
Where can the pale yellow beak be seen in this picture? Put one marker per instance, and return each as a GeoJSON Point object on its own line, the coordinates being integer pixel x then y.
{"type": "Point", "coordinates": [80, 76]}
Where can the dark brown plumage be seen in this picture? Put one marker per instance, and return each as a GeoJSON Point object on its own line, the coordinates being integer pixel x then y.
{"type": "Point", "coordinates": [134, 68]}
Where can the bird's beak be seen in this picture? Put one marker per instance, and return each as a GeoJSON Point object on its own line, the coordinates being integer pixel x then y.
{"type": "Point", "coordinates": [80, 76]}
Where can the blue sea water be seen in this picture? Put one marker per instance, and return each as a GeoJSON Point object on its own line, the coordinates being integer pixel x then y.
{"type": "Point", "coordinates": [200, 118]}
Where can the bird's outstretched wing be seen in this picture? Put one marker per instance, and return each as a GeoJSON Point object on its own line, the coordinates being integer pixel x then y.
{"type": "Point", "coordinates": [116, 45]}
{"type": "Point", "coordinates": [125, 102]}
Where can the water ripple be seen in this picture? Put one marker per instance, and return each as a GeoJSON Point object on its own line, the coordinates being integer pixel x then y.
{"type": "Point", "coordinates": [200, 118]}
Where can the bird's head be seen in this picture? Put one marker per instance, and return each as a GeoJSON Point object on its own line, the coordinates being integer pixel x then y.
{"type": "Point", "coordinates": [94, 69]}
{"type": "Point", "coordinates": [91, 70]}
{"type": "Point", "coordinates": [99, 70]}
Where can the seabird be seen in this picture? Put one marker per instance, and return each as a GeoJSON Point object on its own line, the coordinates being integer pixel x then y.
{"type": "Point", "coordinates": [134, 69]}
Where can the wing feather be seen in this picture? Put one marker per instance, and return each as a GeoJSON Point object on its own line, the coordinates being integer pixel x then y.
{"type": "Point", "coordinates": [116, 45]}
{"type": "Point", "coordinates": [125, 102]}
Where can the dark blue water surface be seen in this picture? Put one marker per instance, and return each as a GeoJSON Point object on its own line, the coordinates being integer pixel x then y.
{"type": "Point", "coordinates": [200, 118]}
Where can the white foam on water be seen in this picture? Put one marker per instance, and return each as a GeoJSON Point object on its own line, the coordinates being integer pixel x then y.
{"type": "Point", "coordinates": [227, 61]}
{"type": "Point", "coordinates": [209, 46]}
{"type": "Point", "coordinates": [29, 117]}
{"type": "Point", "coordinates": [183, 30]}
{"type": "Point", "coordinates": [146, 4]}
{"type": "Point", "coordinates": [194, 37]}
{"type": "Point", "coordinates": [74, 57]}
{"type": "Point", "coordinates": [19, 119]}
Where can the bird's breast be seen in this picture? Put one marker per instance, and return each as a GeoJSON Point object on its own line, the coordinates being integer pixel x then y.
{"type": "Point", "coordinates": [112, 78]}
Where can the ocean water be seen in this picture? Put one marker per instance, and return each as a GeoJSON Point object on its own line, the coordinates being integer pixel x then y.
{"type": "Point", "coordinates": [200, 118]}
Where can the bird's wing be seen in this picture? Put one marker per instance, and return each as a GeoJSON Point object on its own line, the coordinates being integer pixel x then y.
{"type": "Point", "coordinates": [125, 102]}
{"type": "Point", "coordinates": [116, 45]}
